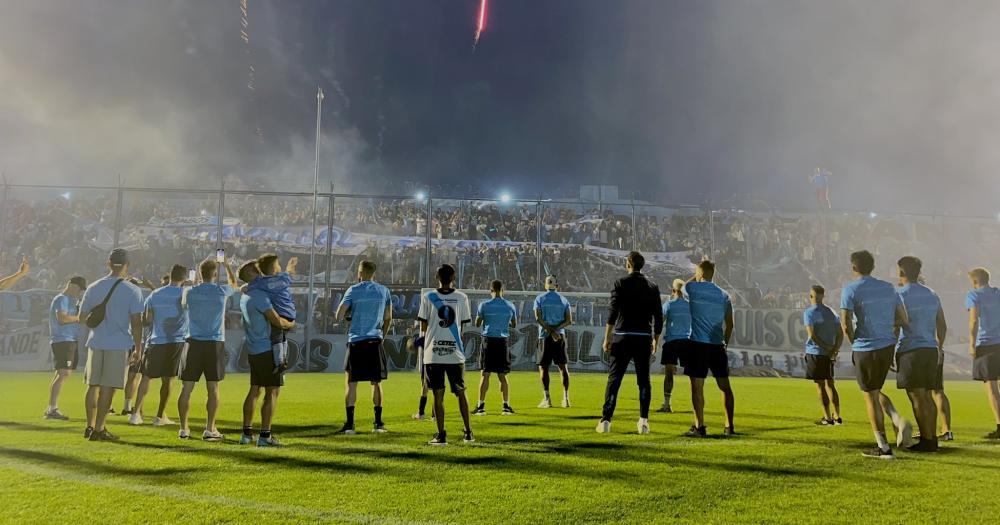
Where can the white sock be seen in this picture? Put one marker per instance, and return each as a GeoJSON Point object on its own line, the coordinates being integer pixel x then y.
{"type": "Point", "coordinates": [482, 401]}
{"type": "Point", "coordinates": [566, 395]}
{"type": "Point", "coordinates": [51, 408]}
{"type": "Point", "coordinates": [546, 392]}
{"type": "Point", "coordinates": [506, 401]}
{"type": "Point", "coordinates": [897, 420]}
{"type": "Point", "coordinates": [881, 441]}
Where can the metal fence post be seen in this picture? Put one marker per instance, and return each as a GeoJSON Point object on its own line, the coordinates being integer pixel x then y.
{"type": "Point", "coordinates": [221, 219]}
{"type": "Point", "coordinates": [711, 232]}
{"type": "Point", "coordinates": [538, 242]}
{"type": "Point", "coordinates": [635, 234]}
{"type": "Point", "coordinates": [118, 212]}
{"type": "Point", "coordinates": [3, 218]}
{"type": "Point", "coordinates": [427, 242]}
{"type": "Point", "coordinates": [329, 260]}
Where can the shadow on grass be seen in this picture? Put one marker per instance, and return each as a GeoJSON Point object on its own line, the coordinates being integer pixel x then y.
{"type": "Point", "coordinates": [160, 475]}
{"type": "Point", "coordinates": [32, 427]}
{"type": "Point", "coordinates": [248, 456]}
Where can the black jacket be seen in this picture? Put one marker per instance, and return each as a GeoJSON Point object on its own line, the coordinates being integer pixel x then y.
{"type": "Point", "coordinates": [635, 306]}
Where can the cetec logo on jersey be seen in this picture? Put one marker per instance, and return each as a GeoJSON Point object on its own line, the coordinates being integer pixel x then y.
{"type": "Point", "coordinates": [444, 347]}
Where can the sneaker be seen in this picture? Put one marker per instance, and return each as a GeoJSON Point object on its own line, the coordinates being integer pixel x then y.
{"type": "Point", "coordinates": [184, 434]}
{"type": "Point", "coordinates": [246, 439]}
{"type": "Point", "coordinates": [838, 421]}
{"type": "Point", "coordinates": [479, 411]}
{"type": "Point", "coordinates": [208, 435]}
{"type": "Point", "coordinates": [946, 436]}
{"type": "Point", "coordinates": [642, 426]}
{"type": "Point", "coordinates": [379, 428]}
{"type": "Point", "coordinates": [468, 437]}
{"type": "Point", "coordinates": [135, 419]}
{"type": "Point", "coordinates": [162, 421]}
{"type": "Point", "coordinates": [347, 430]}
{"type": "Point", "coordinates": [824, 422]}
{"type": "Point", "coordinates": [904, 436]}
{"type": "Point", "coordinates": [565, 403]}
{"type": "Point", "coordinates": [55, 414]}
{"type": "Point", "coordinates": [87, 432]}
{"type": "Point", "coordinates": [111, 410]}
{"type": "Point", "coordinates": [507, 411]}
{"type": "Point", "coordinates": [696, 432]}
{"type": "Point", "coordinates": [439, 440]}
{"type": "Point", "coordinates": [103, 435]}
{"type": "Point", "coordinates": [546, 403]}
{"type": "Point", "coordinates": [418, 417]}
{"type": "Point", "coordinates": [878, 453]}
{"type": "Point", "coordinates": [665, 409]}
{"type": "Point", "coordinates": [729, 431]}
{"type": "Point", "coordinates": [603, 427]}
{"type": "Point", "coordinates": [268, 441]}
{"type": "Point", "coordinates": [993, 435]}
{"type": "Point", "coordinates": [924, 445]}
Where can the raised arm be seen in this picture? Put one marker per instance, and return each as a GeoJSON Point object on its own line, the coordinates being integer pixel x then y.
{"type": "Point", "coordinates": [11, 280]}
{"type": "Point", "coordinates": [230, 275]}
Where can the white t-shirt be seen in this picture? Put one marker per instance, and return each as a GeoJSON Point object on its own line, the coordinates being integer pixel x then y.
{"type": "Point", "coordinates": [445, 312]}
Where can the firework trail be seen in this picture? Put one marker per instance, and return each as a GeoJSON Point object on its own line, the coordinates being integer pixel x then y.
{"type": "Point", "coordinates": [481, 24]}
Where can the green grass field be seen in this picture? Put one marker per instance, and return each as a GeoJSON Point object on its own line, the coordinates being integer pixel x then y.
{"type": "Point", "coordinates": [540, 466]}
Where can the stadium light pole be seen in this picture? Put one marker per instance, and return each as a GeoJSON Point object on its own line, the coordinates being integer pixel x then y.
{"type": "Point", "coordinates": [312, 238]}
{"type": "Point", "coordinates": [118, 212]}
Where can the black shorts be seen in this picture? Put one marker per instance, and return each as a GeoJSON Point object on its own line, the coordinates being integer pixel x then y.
{"type": "Point", "coordinates": [916, 368]}
{"type": "Point", "coordinates": [552, 352]}
{"type": "Point", "coordinates": [675, 352]}
{"type": "Point", "coordinates": [162, 360]}
{"type": "Point", "coordinates": [262, 370]}
{"type": "Point", "coordinates": [494, 357]}
{"type": "Point", "coordinates": [871, 367]}
{"type": "Point", "coordinates": [365, 362]}
{"type": "Point", "coordinates": [939, 378]}
{"type": "Point", "coordinates": [65, 355]}
{"type": "Point", "coordinates": [206, 358]}
{"type": "Point", "coordinates": [819, 367]}
{"type": "Point", "coordinates": [986, 365]}
{"type": "Point", "coordinates": [703, 358]}
{"type": "Point", "coordinates": [436, 373]}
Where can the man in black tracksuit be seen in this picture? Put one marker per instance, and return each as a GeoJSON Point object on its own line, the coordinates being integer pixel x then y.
{"type": "Point", "coordinates": [632, 334]}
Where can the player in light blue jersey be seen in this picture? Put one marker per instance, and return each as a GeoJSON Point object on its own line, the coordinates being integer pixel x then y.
{"type": "Point", "coordinates": [64, 330]}
{"type": "Point", "coordinates": [983, 303]}
{"type": "Point", "coordinates": [162, 358]}
{"type": "Point", "coordinates": [880, 314]}
{"type": "Point", "coordinates": [822, 346]}
{"type": "Point", "coordinates": [676, 339]}
{"type": "Point", "coordinates": [553, 314]}
{"type": "Point", "coordinates": [497, 316]}
{"type": "Point", "coordinates": [368, 306]}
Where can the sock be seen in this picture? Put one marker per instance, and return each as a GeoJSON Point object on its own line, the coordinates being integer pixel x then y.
{"type": "Point", "coordinates": [897, 420]}
{"type": "Point", "coordinates": [506, 401]}
{"type": "Point", "coordinates": [51, 408]}
{"type": "Point", "coordinates": [566, 395]}
{"type": "Point", "coordinates": [882, 442]}
{"type": "Point", "coordinates": [350, 416]}
{"type": "Point", "coordinates": [378, 415]}
{"type": "Point", "coordinates": [482, 401]}
{"type": "Point", "coordinates": [423, 405]}
{"type": "Point", "coordinates": [546, 392]}
{"type": "Point", "coordinates": [247, 431]}
{"type": "Point", "coordinates": [265, 433]}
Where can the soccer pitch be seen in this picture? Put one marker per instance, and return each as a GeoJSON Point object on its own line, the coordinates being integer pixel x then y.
{"type": "Point", "coordinates": [539, 466]}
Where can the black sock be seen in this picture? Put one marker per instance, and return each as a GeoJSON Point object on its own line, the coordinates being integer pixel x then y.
{"type": "Point", "coordinates": [265, 434]}
{"type": "Point", "coordinates": [350, 416]}
{"type": "Point", "coordinates": [247, 431]}
{"type": "Point", "coordinates": [378, 415]}
{"type": "Point", "coordinates": [423, 405]}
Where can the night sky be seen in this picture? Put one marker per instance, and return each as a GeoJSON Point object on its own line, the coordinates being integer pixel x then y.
{"type": "Point", "coordinates": [677, 101]}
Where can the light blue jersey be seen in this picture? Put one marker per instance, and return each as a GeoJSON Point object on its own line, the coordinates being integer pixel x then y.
{"type": "Point", "coordinates": [366, 301]}
{"type": "Point", "coordinates": [206, 306]}
{"type": "Point", "coordinates": [922, 307]}
{"type": "Point", "coordinates": [676, 319]}
{"type": "Point", "coordinates": [115, 332]}
{"type": "Point", "coordinates": [555, 310]}
{"type": "Point", "coordinates": [709, 307]}
{"type": "Point", "coordinates": [873, 303]}
{"type": "Point", "coordinates": [986, 301]}
{"type": "Point", "coordinates": [257, 328]}
{"type": "Point", "coordinates": [497, 314]}
{"type": "Point", "coordinates": [170, 320]}
{"type": "Point", "coordinates": [61, 333]}
{"type": "Point", "coordinates": [825, 324]}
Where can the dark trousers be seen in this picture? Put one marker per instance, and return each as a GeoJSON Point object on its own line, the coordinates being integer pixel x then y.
{"type": "Point", "coordinates": [625, 349]}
